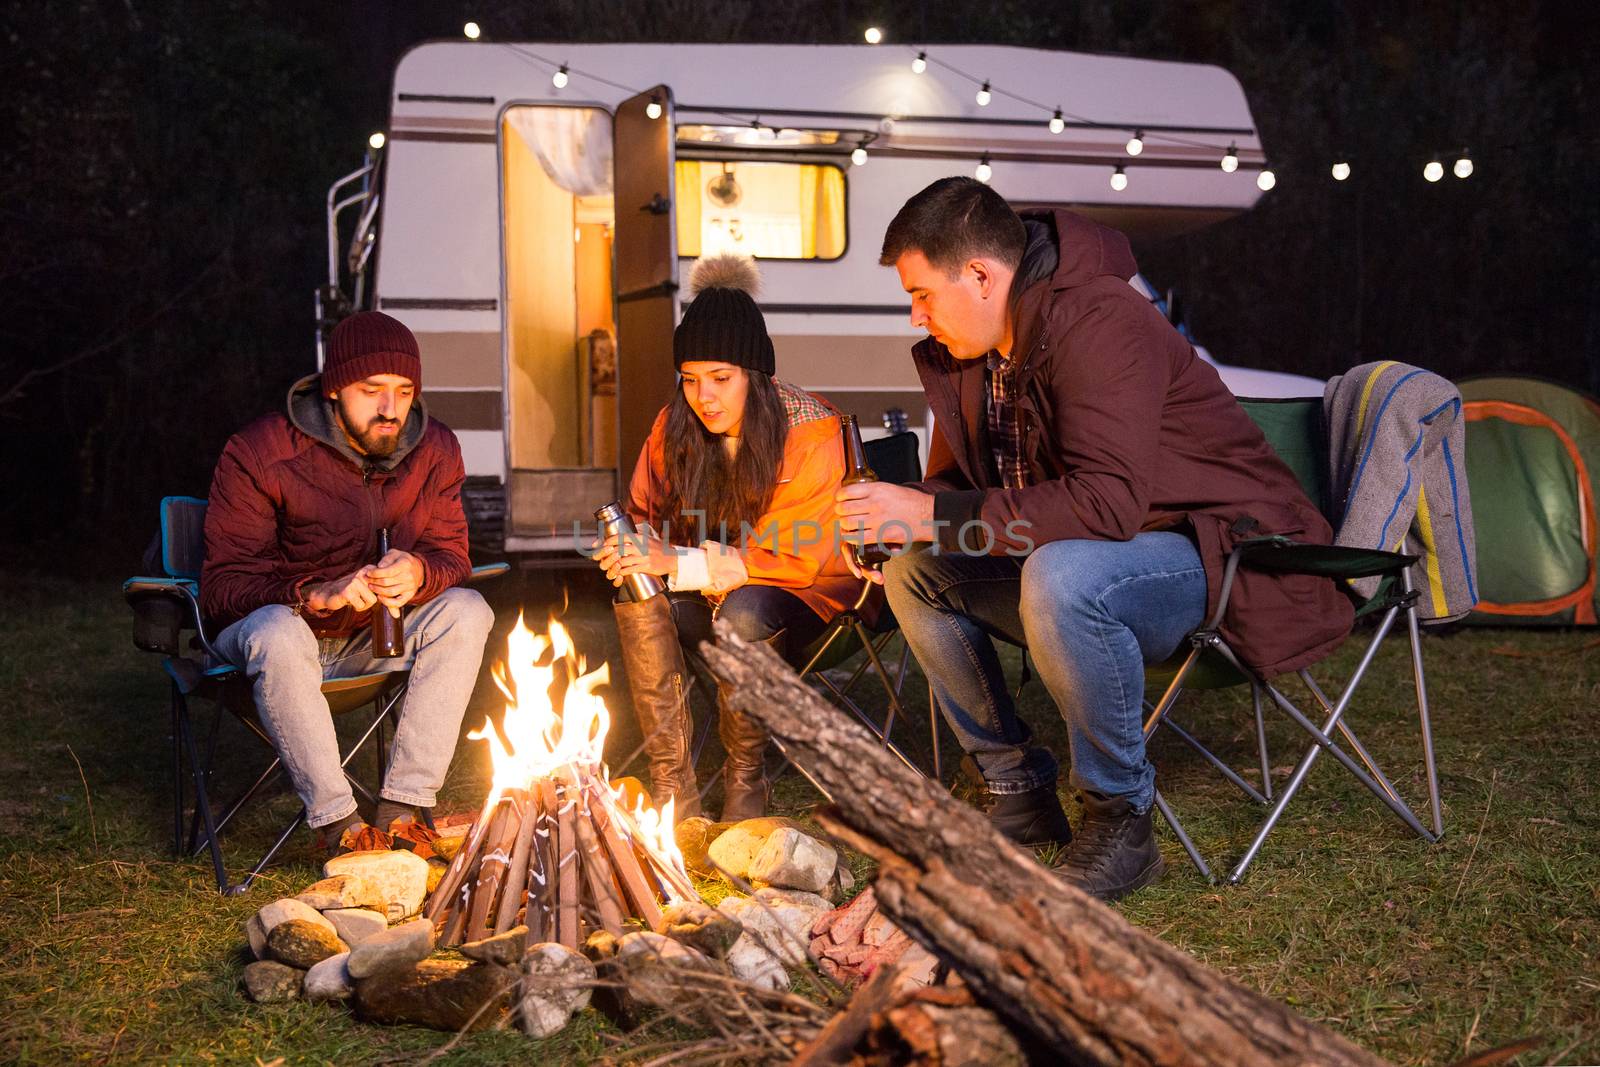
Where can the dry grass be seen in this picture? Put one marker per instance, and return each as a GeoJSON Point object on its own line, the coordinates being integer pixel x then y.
{"type": "Point", "coordinates": [112, 950]}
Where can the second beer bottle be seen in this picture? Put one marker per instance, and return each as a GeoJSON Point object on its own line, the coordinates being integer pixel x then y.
{"type": "Point", "coordinates": [868, 555]}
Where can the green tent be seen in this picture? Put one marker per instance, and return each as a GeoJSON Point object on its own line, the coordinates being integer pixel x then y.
{"type": "Point", "coordinates": [1533, 454]}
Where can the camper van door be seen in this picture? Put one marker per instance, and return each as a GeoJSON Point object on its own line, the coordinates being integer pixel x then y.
{"type": "Point", "coordinates": [645, 249]}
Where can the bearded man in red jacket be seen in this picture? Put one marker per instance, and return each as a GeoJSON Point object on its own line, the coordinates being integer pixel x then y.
{"type": "Point", "coordinates": [1087, 477]}
{"type": "Point", "coordinates": [291, 572]}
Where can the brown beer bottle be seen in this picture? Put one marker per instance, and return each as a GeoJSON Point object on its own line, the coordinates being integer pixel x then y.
{"type": "Point", "coordinates": [388, 635]}
{"type": "Point", "coordinates": [868, 556]}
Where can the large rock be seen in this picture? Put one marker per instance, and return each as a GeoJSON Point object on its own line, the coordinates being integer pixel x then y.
{"type": "Point", "coordinates": [303, 944]}
{"type": "Point", "coordinates": [556, 984]}
{"type": "Point", "coordinates": [505, 949]}
{"type": "Point", "coordinates": [281, 911]}
{"type": "Point", "coordinates": [330, 979]}
{"type": "Point", "coordinates": [396, 881]}
{"type": "Point", "coordinates": [444, 994]}
{"type": "Point", "coordinates": [396, 948]}
{"type": "Point", "coordinates": [355, 925]}
{"type": "Point", "coordinates": [256, 934]}
{"type": "Point", "coordinates": [780, 920]}
{"type": "Point", "coordinates": [647, 961]}
{"type": "Point", "coordinates": [736, 847]}
{"type": "Point", "coordinates": [790, 859]}
{"type": "Point", "coordinates": [341, 891]}
{"type": "Point", "coordinates": [701, 927]}
{"type": "Point", "coordinates": [750, 960]}
{"type": "Point", "coordinates": [694, 836]}
{"type": "Point", "coordinates": [270, 982]}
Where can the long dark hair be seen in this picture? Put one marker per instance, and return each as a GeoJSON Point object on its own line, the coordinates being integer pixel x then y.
{"type": "Point", "coordinates": [731, 491]}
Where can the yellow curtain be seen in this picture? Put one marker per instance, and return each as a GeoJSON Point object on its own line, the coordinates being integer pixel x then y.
{"type": "Point", "coordinates": [687, 177]}
{"type": "Point", "coordinates": [809, 205]}
{"type": "Point", "coordinates": [828, 229]}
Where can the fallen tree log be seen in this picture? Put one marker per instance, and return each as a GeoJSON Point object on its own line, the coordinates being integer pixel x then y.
{"type": "Point", "coordinates": [1057, 964]}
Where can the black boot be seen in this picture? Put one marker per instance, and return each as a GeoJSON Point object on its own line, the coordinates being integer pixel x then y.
{"type": "Point", "coordinates": [1033, 818]}
{"type": "Point", "coordinates": [1115, 849]}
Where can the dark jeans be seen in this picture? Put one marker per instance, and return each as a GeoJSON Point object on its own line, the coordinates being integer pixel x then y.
{"type": "Point", "coordinates": [1091, 613]}
{"type": "Point", "coordinates": [757, 612]}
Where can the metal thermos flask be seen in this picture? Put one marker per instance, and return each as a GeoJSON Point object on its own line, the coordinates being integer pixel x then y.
{"type": "Point", "coordinates": [614, 521]}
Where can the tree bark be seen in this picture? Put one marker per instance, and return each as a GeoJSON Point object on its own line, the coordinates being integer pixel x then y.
{"type": "Point", "coordinates": [1053, 961]}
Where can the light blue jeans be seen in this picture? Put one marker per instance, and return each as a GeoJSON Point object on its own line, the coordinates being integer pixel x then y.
{"type": "Point", "coordinates": [1090, 613]}
{"type": "Point", "coordinates": [287, 664]}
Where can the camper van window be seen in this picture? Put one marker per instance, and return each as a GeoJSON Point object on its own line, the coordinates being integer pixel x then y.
{"type": "Point", "coordinates": [765, 210]}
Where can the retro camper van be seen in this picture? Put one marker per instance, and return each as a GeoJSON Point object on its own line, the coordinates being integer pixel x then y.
{"type": "Point", "coordinates": [534, 206]}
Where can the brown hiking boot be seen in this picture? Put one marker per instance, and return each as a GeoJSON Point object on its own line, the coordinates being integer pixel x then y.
{"type": "Point", "coordinates": [745, 789]}
{"type": "Point", "coordinates": [1114, 851]}
{"type": "Point", "coordinates": [1033, 818]}
{"type": "Point", "coordinates": [659, 682]}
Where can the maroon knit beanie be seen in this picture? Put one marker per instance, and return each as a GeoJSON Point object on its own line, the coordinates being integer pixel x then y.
{"type": "Point", "coordinates": [368, 343]}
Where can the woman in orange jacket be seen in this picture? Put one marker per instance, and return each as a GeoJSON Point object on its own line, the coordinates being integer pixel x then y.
{"type": "Point", "coordinates": [733, 493]}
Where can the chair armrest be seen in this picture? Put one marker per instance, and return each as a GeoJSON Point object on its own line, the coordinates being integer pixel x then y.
{"type": "Point", "coordinates": [483, 572]}
{"type": "Point", "coordinates": [1281, 555]}
{"type": "Point", "coordinates": [162, 609]}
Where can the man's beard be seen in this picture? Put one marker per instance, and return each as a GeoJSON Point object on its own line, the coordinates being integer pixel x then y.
{"type": "Point", "coordinates": [370, 442]}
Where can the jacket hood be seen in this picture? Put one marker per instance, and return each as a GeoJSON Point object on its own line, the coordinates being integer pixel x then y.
{"type": "Point", "coordinates": [1085, 250]}
{"type": "Point", "coordinates": [312, 414]}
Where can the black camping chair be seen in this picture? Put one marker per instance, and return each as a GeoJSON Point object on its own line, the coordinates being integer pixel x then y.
{"type": "Point", "coordinates": [1296, 431]}
{"type": "Point", "coordinates": [166, 608]}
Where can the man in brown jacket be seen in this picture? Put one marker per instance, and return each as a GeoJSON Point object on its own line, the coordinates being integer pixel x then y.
{"type": "Point", "coordinates": [1088, 476]}
{"type": "Point", "coordinates": [292, 575]}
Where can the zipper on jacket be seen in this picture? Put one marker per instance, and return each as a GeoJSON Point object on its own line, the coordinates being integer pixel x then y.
{"type": "Point", "coordinates": [374, 512]}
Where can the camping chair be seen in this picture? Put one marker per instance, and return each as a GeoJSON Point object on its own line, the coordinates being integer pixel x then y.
{"type": "Point", "coordinates": [168, 606]}
{"type": "Point", "coordinates": [1296, 431]}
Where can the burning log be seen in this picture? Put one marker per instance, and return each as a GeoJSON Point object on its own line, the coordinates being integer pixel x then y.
{"type": "Point", "coordinates": [554, 846]}
{"type": "Point", "coordinates": [1056, 964]}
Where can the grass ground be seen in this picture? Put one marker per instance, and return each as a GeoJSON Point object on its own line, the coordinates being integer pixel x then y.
{"type": "Point", "coordinates": [111, 950]}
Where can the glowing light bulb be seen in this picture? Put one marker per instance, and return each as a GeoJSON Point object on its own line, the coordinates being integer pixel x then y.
{"type": "Point", "coordinates": [1341, 171]}
{"type": "Point", "coordinates": [377, 140]}
{"type": "Point", "coordinates": [653, 109]}
{"type": "Point", "coordinates": [559, 79]}
{"type": "Point", "coordinates": [920, 64]}
{"type": "Point", "coordinates": [1463, 167]}
{"type": "Point", "coordinates": [984, 171]}
{"type": "Point", "coordinates": [1230, 159]}
{"type": "Point", "coordinates": [1135, 143]}
{"type": "Point", "coordinates": [874, 35]}
{"type": "Point", "coordinates": [1433, 171]}
{"type": "Point", "coordinates": [1266, 179]}
{"type": "Point", "coordinates": [984, 96]}
{"type": "Point", "coordinates": [471, 31]}
{"type": "Point", "coordinates": [1057, 123]}
{"type": "Point", "coordinates": [1119, 180]}
{"type": "Point", "coordinates": [859, 156]}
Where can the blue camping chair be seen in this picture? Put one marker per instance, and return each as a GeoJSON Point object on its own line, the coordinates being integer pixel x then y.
{"type": "Point", "coordinates": [166, 608]}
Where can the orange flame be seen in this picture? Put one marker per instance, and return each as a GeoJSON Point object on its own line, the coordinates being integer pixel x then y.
{"type": "Point", "coordinates": [541, 742]}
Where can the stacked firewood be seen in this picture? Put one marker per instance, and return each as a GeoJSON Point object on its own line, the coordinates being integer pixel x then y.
{"type": "Point", "coordinates": [562, 857]}
{"type": "Point", "coordinates": [854, 942]}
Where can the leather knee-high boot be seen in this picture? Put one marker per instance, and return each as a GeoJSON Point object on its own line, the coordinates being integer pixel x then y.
{"type": "Point", "coordinates": [744, 775]}
{"type": "Point", "coordinates": [659, 682]}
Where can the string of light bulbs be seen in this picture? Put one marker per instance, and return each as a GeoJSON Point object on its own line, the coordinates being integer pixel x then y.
{"type": "Point", "coordinates": [561, 75]}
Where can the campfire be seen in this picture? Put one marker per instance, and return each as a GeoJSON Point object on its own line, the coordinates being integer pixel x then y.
{"type": "Point", "coordinates": [556, 847]}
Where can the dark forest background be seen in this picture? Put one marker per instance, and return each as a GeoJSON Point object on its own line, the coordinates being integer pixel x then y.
{"type": "Point", "coordinates": [165, 163]}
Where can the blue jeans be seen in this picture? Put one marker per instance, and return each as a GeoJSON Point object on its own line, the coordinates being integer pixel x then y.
{"type": "Point", "coordinates": [1091, 613]}
{"type": "Point", "coordinates": [287, 664]}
